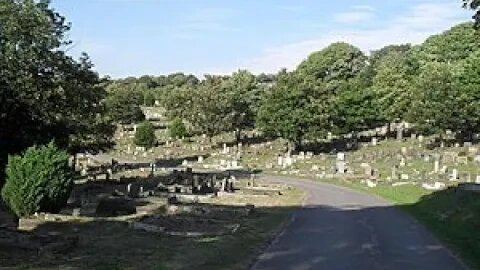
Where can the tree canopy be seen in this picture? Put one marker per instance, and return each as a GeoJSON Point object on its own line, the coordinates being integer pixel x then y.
{"type": "Point", "coordinates": [45, 94]}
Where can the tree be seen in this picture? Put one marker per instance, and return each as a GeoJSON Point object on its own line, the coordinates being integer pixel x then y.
{"type": "Point", "coordinates": [291, 110]}
{"type": "Point", "coordinates": [209, 107]}
{"type": "Point", "coordinates": [333, 65]}
{"type": "Point", "coordinates": [145, 135]}
{"type": "Point", "coordinates": [469, 99]}
{"type": "Point", "coordinates": [448, 98]}
{"type": "Point", "coordinates": [40, 180]}
{"type": "Point", "coordinates": [434, 108]}
{"type": "Point", "coordinates": [356, 107]}
{"type": "Point", "coordinates": [243, 98]}
{"type": "Point", "coordinates": [177, 128]}
{"type": "Point", "coordinates": [450, 46]}
{"type": "Point", "coordinates": [392, 85]}
{"type": "Point", "coordinates": [474, 5]}
{"type": "Point", "coordinates": [149, 98]}
{"type": "Point", "coordinates": [124, 106]}
{"type": "Point", "coordinates": [44, 93]}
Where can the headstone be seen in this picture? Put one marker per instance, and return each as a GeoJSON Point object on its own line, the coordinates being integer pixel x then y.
{"type": "Point", "coordinates": [225, 148]}
{"type": "Point", "coordinates": [341, 156]}
{"type": "Point", "coordinates": [421, 138]}
{"type": "Point", "coordinates": [436, 166]}
{"type": "Point", "coordinates": [200, 159]}
{"type": "Point", "coordinates": [341, 167]}
{"type": "Point", "coordinates": [288, 161]}
{"type": "Point", "coordinates": [185, 162]}
{"type": "Point", "coordinates": [400, 133]}
{"type": "Point", "coordinates": [224, 184]}
{"type": "Point", "coordinates": [454, 175]}
{"type": "Point", "coordinates": [402, 162]}
{"type": "Point", "coordinates": [280, 161]}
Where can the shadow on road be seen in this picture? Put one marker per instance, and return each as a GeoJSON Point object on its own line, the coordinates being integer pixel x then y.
{"type": "Point", "coordinates": [348, 232]}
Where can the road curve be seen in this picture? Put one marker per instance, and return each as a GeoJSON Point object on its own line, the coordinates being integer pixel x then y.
{"type": "Point", "coordinates": [339, 228]}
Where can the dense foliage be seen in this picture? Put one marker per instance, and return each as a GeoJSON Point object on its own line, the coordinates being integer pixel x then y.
{"type": "Point", "coordinates": [39, 180]}
{"type": "Point", "coordinates": [44, 93]}
{"type": "Point", "coordinates": [145, 135]}
{"type": "Point", "coordinates": [177, 129]}
{"type": "Point", "coordinates": [124, 106]}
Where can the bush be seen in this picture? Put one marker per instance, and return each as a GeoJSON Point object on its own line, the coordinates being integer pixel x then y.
{"type": "Point", "coordinates": [145, 135]}
{"type": "Point", "coordinates": [177, 128]}
{"type": "Point", "coordinates": [149, 98]}
{"type": "Point", "coordinates": [39, 181]}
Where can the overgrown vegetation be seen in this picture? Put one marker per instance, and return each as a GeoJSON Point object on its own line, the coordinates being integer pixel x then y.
{"type": "Point", "coordinates": [145, 135]}
{"type": "Point", "coordinates": [177, 129]}
{"type": "Point", "coordinates": [39, 180]}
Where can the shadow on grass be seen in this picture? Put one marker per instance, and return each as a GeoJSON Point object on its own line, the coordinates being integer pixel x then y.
{"type": "Point", "coordinates": [330, 232]}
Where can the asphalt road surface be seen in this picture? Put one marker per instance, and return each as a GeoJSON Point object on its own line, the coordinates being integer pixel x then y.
{"type": "Point", "coordinates": [338, 228]}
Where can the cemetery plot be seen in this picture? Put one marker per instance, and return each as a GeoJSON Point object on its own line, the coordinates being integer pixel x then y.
{"type": "Point", "coordinates": [176, 220]}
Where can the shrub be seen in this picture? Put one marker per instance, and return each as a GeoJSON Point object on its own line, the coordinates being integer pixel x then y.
{"type": "Point", "coordinates": [177, 128]}
{"type": "Point", "coordinates": [40, 180]}
{"type": "Point", "coordinates": [145, 135]}
{"type": "Point", "coordinates": [149, 98]}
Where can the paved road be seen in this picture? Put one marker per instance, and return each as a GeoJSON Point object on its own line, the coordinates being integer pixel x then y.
{"type": "Point", "coordinates": [343, 229]}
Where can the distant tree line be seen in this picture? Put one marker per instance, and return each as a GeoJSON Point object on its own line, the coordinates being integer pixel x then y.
{"type": "Point", "coordinates": [338, 90]}
{"type": "Point", "coordinates": [46, 95]}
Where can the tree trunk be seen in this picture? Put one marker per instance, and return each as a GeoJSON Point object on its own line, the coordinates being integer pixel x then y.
{"type": "Point", "coordinates": [292, 147]}
{"type": "Point", "coordinates": [389, 130]}
{"type": "Point", "coordinates": [74, 161]}
{"type": "Point", "coordinates": [238, 135]}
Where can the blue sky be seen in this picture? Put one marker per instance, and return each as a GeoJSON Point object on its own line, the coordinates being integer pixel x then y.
{"type": "Point", "coordinates": [137, 37]}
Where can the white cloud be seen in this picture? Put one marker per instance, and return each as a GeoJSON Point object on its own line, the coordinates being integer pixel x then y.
{"type": "Point", "coordinates": [355, 15]}
{"type": "Point", "coordinates": [421, 21]}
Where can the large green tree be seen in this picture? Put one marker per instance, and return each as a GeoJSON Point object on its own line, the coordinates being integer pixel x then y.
{"type": "Point", "coordinates": [210, 107]}
{"type": "Point", "coordinates": [333, 65]}
{"type": "Point", "coordinates": [448, 97]}
{"type": "Point", "coordinates": [44, 93]}
{"type": "Point", "coordinates": [356, 106]}
{"type": "Point", "coordinates": [450, 46]}
{"type": "Point", "coordinates": [242, 98]}
{"type": "Point", "coordinates": [124, 106]}
{"type": "Point", "coordinates": [293, 109]}
{"type": "Point", "coordinates": [392, 85]}
{"type": "Point", "coordinates": [434, 108]}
